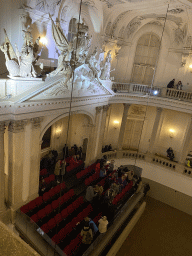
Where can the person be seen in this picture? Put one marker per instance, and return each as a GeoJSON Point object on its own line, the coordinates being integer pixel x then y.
{"type": "Point", "coordinates": [57, 170]}
{"type": "Point", "coordinates": [103, 222]}
{"type": "Point", "coordinates": [90, 194]}
{"type": "Point", "coordinates": [102, 172]}
{"type": "Point", "coordinates": [111, 166]}
{"type": "Point", "coordinates": [87, 234]}
{"type": "Point", "coordinates": [179, 85]}
{"type": "Point", "coordinates": [65, 152]}
{"type": "Point", "coordinates": [171, 84]}
{"type": "Point", "coordinates": [92, 225]}
{"type": "Point", "coordinates": [170, 153]}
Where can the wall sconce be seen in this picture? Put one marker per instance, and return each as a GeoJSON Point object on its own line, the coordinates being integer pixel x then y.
{"type": "Point", "coordinates": [43, 41]}
{"type": "Point", "coordinates": [171, 133]}
{"type": "Point", "coordinates": [115, 124]}
{"type": "Point", "coordinates": [58, 133]}
{"type": "Point", "coordinates": [190, 68]}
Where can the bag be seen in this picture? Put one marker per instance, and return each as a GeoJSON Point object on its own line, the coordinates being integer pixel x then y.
{"type": "Point", "coordinates": [88, 237]}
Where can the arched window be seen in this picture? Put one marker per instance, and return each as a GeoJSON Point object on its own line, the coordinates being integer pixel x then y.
{"type": "Point", "coordinates": [145, 59]}
{"type": "Point", "coordinates": [72, 29]}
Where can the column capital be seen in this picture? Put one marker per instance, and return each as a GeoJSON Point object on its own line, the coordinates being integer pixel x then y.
{"type": "Point", "coordinates": [17, 125]}
{"type": "Point", "coordinates": [159, 110]}
{"type": "Point", "coordinates": [98, 109]}
{"type": "Point", "coordinates": [3, 125]}
{"type": "Point", "coordinates": [105, 107]}
{"type": "Point", "coordinates": [36, 122]}
{"type": "Point", "coordinates": [126, 105]}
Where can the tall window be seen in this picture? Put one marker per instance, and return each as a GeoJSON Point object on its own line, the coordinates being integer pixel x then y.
{"type": "Point", "coordinates": [72, 29]}
{"type": "Point", "coordinates": [145, 59]}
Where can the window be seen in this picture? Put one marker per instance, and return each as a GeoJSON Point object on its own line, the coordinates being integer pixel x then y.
{"type": "Point", "coordinates": [46, 139]}
{"type": "Point", "coordinates": [72, 29]}
{"type": "Point", "coordinates": [145, 59]}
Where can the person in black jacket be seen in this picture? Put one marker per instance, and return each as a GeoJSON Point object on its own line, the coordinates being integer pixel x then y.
{"type": "Point", "coordinates": [171, 84]}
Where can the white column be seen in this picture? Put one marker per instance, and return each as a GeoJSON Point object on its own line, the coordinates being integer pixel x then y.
{"type": "Point", "coordinates": [16, 159]}
{"type": "Point", "coordinates": [35, 158]}
{"type": "Point", "coordinates": [98, 121]}
{"type": "Point", "coordinates": [123, 125]}
{"type": "Point", "coordinates": [187, 142]}
{"type": "Point", "coordinates": [2, 180]}
{"type": "Point", "coordinates": [102, 130]}
{"type": "Point", "coordinates": [156, 129]}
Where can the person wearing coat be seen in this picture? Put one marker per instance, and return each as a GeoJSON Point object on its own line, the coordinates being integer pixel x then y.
{"type": "Point", "coordinates": [90, 194]}
{"type": "Point", "coordinates": [103, 222]}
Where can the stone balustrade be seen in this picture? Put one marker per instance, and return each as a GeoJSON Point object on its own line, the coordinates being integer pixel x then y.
{"type": "Point", "coordinates": [150, 158]}
{"type": "Point", "coordinates": [153, 91]}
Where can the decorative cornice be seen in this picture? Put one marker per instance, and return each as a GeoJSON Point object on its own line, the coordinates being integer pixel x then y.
{"type": "Point", "coordinates": [2, 127]}
{"type": "Point", "coordinates": [17, 126]}
{"type": "Point", "coordinates": [36, 122]}
{"type": "Point", "coordinates": [105, 107]}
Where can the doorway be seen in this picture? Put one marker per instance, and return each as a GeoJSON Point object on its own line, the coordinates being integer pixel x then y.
{"type": "Point", "coordinates": [84, 149]}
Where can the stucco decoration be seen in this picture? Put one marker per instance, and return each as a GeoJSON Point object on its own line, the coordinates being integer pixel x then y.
{"type": "Point", "coordinates": [105, 74]}
{"type": "Point", "coordinates": [137, 110]}
{"type": "Point", "coordinates": [133, 26]}
{"type": "Point", "coordinates": [108, 29]}
{"type": "Point", "coordinates": [117, 20]}
{"type": "Point", "coordinates": [176, 11]}
{"type": "Point", "coordinates": [21, 64]}
{"type": "Point", "coordinates": [121, 32]}
{"type": "Point", "coordinates": [70, 57]}
{"type": "Point", "coordinates": [47, 6]}
{"type": "Point", "coordinates": [180, 34]}
{"type": "Point", "coordinates": [156, 23]}
{"type": "Point", "coordinates": [64, 14]}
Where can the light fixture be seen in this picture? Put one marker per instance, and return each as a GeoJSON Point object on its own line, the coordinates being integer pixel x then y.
{"type": "Point", "coordinates": [171, 133]}
{"type": "Point", "coordinates": [115, 124]}
{"type": "Point", "coordinates": [190, 68]}
{"type": "Point", "coordinates": [155, 92]}
{"type": "Point", "coordinates": [43, 40]}
{"type": "Point", "coordinates": [58, 133]}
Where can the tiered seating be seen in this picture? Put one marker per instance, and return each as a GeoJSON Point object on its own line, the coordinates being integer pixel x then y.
{"type": "Point", "coordinates": [92, 178]}
{"type": "Point", "coordinates": [43, 173]}
{"type": "Point", "coordinates": [85, 172]}
{"type": "Point", "coordinates": [51, 208]}
{"type": "Point", "coordinates": [123, 192]}
{"type": "Point", "coordinates": [58, 238]}
{"type": "Point", "coordinates": [72, 164]}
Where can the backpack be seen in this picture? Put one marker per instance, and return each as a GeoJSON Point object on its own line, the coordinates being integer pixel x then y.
{"type": "Point", "coordinates": [87, 238]}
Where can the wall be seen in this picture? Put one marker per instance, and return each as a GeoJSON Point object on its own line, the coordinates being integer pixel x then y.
{"type": "Point", "coordinates": [78, 130]}
{"type": "Point", "coordinates": [172, 120]}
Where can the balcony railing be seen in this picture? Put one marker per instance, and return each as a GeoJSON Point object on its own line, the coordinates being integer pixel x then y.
{"type": "Point", "coordinates": [152, 91]}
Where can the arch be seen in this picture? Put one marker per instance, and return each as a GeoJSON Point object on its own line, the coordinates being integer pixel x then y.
{"type": "Point", "coordinates": [63, 116]}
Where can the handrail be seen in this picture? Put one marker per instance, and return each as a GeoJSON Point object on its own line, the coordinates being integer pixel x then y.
{"type": "Point", "coordinates": [152, 91]}
{"type": "Point", "coordinates": [151, 158]}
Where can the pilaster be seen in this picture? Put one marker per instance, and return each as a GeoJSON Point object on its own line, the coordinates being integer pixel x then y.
{"type": "Point", "coordinates": [123, 125]}
{"type": "Point", "coordinates": [187, 142]}
{"type": "Point", "coordinates": [156, 129]}
{"type": "Point", "coordinates": [2, 176]}
{"type": "Point", "coordinates": [16, 159]}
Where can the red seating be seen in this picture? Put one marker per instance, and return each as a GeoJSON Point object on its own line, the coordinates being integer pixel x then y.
{"type": "Point", "coordinates": [51, 223]}
{"type": "Point", "coordinates": [24, 208]}
{"type": "Point", "coordinates": [31, 205]}
{"type": "Point", "coordinates": [58, 218]}
{"type": "Point", "coordinates": [70, 209]}
{"type": "Point", "coordinates": [78, 175]}
{"type": "Point", "coordinates": [34, 218]}
{"type": "Point", "coordinates": [39, 200]}
{"type": "Point", "coordinates": [56, 239]}
{"type": "Point", "coordinates": [64, 213]}
{"type": "Point", "coordinates": [68, 250]}
{"type": "Point", "coordinates": [43, 172]}
{"type": "Point", "coordinates": [55, 204]}
{"type": "Point", "coordinates": [75, 204]}
{"type": "Point", "coordinates": [65, 197]}
{"type": "Point", "coordinates": [41, 214]}
{"type": "Point", "coordinates": [48, 209]}
{"type": "Point", "coordinates": [46, 196]}
{"type": "Point", "coordinates": [47, 180]}
{"type": "Point", "coordinates": [45, 228]}
{"type": "Point", "coordinates": [71, 193]}
{"type": "Point", "coordinates": [86, 182]}
{"type": "Point", "coordinates": [80, 200]}
{"type": "Point", "coordinates": [97, 218]}
{"type": "Point", "coordinates": [80, 217]}
{"type": "Point", "coordinates": [52, 177]}
{"type": "Point", "coordinates": [57, 189]}
{"type": "Point", "coordinates": [62, 186]}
